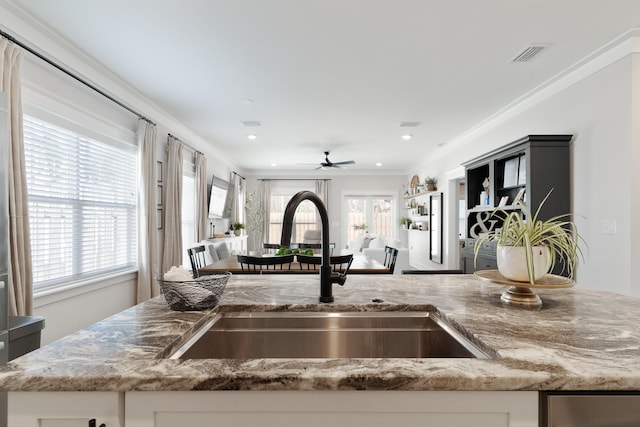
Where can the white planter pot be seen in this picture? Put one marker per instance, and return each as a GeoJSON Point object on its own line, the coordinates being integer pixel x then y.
{"type": "Point", "coordinates": [512, 262]}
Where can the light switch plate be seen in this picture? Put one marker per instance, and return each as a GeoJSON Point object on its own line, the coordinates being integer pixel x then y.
{"type": "Point", "coordinates": [609, 226]}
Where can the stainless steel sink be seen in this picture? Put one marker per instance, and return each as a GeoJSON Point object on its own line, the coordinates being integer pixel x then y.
{"type": "Point", "coordinates": [251, 335]}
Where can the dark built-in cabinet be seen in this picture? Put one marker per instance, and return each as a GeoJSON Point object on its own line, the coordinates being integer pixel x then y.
{"type": "Point", "coordinates": [528, 169]}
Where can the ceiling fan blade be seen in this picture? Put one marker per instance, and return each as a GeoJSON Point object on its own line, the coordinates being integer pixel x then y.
{"type": "Point", "coordinates": [328, 164]}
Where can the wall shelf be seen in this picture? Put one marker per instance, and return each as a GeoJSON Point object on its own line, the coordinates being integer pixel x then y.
{"type": "Point", "coordinates": [422, 193]}
{"type": "Point", "coordinates": [491, 208]}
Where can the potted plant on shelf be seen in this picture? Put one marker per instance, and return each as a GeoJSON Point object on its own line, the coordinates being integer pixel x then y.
{"type": "Point", "coordinates": [431, 183]}
{"type": "Point", "coordinates": [528, 248]}
{"type": "Point", "coordinates": [405, 222]}
{"type": "Point", "coordinates": [237, 228]}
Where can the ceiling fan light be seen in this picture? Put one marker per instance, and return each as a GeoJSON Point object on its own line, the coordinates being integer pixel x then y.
{"type": "Point", "coordinates": [252, 136]}
{"type": "Point", "coordinates": [407, 136]}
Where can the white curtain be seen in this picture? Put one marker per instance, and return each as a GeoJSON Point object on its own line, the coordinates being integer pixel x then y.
{"type": "Point", "coordinates": [147, 213]}
{"type": "Point", "coordinates": [20, 272]}
{"type": "Point", "coordinates": [202, 210]}
{"type": "Point", "coordinates": [265, 198]}
{"type": "Point", "coordinates": [172, 247]}
{"type": "Point", "coordinates": [322, 190]}
{"type": "Point", "coordinates": [237, 205]}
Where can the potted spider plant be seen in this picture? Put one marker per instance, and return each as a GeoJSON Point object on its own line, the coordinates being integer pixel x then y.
{"type": "Point", "coordinates": [528, 247]}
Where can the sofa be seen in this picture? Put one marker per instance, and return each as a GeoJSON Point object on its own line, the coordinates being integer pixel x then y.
{"type": "Point", "coordinates": [372, 246]}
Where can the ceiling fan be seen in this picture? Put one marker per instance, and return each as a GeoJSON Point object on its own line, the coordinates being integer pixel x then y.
{"type": "Point", "coordinates": [329, 164]}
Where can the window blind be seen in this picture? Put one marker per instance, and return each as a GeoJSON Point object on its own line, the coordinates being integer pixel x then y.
{"type": "Point", "coordinates": [82, 204]}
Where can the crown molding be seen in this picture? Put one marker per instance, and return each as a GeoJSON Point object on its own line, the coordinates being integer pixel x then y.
{"type": "Point", "coordinates": [621, 47]}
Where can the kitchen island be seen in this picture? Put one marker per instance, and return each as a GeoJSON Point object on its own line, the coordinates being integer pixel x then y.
{"type": "Point", "coordinates": [580, 339]}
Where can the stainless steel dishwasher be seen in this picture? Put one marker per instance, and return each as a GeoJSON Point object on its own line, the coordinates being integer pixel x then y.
{"type": "Point", "coordinates": [589, 409]}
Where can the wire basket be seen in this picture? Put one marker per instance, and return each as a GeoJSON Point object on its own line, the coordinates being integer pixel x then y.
{"type": "Point", "coordinates": [198, 294]}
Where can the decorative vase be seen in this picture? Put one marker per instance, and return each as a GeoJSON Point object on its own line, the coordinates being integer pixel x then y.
{"type": "Point", "coordinates": [431, 187]}
{"type": "Point", "coordinates": [237, 232]}
{"type": "Point", "coordinates": [512, 262]}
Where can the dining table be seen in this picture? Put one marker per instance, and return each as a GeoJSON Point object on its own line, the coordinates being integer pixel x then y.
{"type": "Point", "coordinates": [360, 265]}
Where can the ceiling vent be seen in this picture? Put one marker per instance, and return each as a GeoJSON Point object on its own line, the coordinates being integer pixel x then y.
{"type": "Point", "coordinates": [409, 124]}
{"type": "Point", "coordinates": [250, 123]}
{"type": "Point", "coordinates": [529, 52]}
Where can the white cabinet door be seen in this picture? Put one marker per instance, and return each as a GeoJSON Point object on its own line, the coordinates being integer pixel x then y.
{"type": "Point", "coordinates": [419, 249]}
{"type": "Point", "coordinates": [68, 409]}
{"type": "Point", "coordinates": [332, 408]}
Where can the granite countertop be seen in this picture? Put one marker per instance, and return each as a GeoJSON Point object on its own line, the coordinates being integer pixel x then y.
{"type": "Point", "coordinates": [580, 339]}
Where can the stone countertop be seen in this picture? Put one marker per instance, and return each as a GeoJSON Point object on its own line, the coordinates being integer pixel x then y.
{"type": "Point", "coordinates": [580, 339]}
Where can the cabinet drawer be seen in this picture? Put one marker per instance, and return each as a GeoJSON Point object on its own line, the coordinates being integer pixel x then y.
{"type": "Point", "coordinates": [485, 263]}
{"type": "Point", "coordinates": [487, 248]}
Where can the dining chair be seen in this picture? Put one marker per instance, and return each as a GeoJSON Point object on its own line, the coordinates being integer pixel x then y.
{"type": "Point", "coordinates": [339, 263]}
{"type": "Point", "coordinates": [390, 256]}
{"type": "Point", "coordinates": [255, 264]}
{"type": "Point", "coordinates": [196, 256]}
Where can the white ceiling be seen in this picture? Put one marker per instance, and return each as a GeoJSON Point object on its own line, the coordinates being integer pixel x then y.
{"type": "Point", "coordinates": [336, 75]}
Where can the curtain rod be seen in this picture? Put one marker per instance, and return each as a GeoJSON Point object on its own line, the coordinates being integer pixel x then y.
{"type": "Point", "coordinates": [72, 75]}
{"type": "Point", "coordinates": [293, 179]}
{"type": "Point", "coordinates": [236, 173]}
{"type": "Point", "coordinates": [185, 144]}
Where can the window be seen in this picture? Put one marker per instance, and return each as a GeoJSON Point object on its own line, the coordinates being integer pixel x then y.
{"type": "Point", "coordinates": [82, 203]}
{"type": "Point", "coordinates": [374, 214]}
{"type": "Point", "coordinates": [188, 210]}
{"type": "Point", "coordinates": [304, 219]}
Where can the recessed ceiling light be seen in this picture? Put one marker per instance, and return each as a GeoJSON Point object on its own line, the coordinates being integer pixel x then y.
{"type": "Point", "coordinates": [378, 164]}
{"type": "Point", "coordinates": [407, 136]}
{"type": "Point", "coordinates": [251, 136]}
{"type": "Point", "coordinates": [273, 165]}
{"type": "Point", "coordinates": [409, 124]}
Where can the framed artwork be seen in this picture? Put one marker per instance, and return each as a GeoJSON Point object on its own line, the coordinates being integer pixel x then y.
{"type": "Point", "coordinates": [519, 196]}
{"type": "Point", "coordinates": [159, 171]}
{"type": "Point", "coordinates": [435, 227]}
{"type": "Point", "coordinates": [522, 171]}
{"type": "Point", "coordinates": [159, 218]}
{"type": "Point", "coordinates": [511, 167]}
{"type": "Point", "coordinates": [159, 195]}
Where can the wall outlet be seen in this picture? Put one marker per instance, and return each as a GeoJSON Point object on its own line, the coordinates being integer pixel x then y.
{"type": "Point", "coordinates": [609, 226]}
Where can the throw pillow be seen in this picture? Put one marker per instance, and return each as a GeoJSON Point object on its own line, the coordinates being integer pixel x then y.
{"type": "Point", "coordinates": [378, 243]}
{"type": "Point", "coordinates": [367, 241]}
{"type": "Point", "coordinates": [357, 243]}
{"type": "Point", "coordinates": [211, 250]}
{"type": "Point", "coordinates": [223, 250]}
